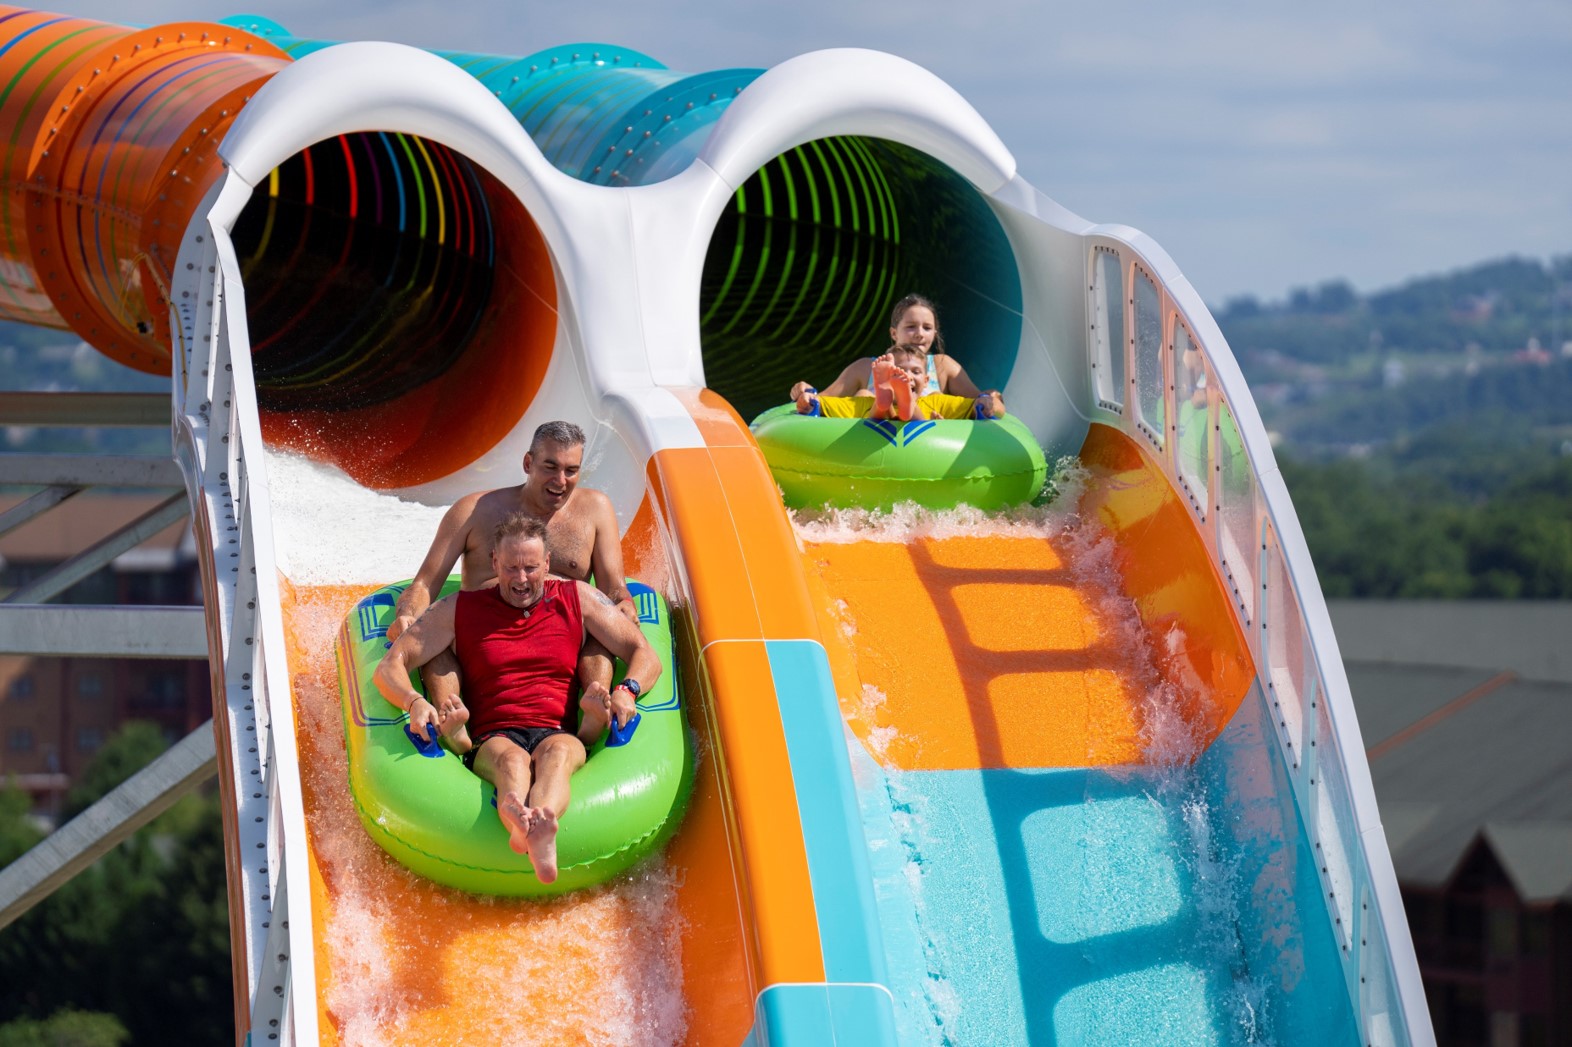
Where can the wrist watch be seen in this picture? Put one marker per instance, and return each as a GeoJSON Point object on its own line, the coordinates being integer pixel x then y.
{"type": "Point", "coordinates": [631, 686]}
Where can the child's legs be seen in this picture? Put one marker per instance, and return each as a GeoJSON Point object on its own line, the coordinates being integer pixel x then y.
{"type": "Point", "coordinates": [845, 406]}
{"type": "Point", "coordinates": [944, 405]}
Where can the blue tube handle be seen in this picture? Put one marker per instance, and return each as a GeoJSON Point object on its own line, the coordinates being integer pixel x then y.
{"type": "Point", "coordinates": [616, 736]}
{"type": "Point", "coordinates": [428, 746]}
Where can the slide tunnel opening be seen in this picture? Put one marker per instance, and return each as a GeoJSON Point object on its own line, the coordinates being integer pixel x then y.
{"type": "Point", "coordinates": [817, 246]}
{"type": "Point", "coordinates": [401, 306]}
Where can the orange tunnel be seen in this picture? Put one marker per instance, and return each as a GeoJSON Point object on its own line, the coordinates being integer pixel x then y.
{"type": "Point", "coordinates": [394, 274]}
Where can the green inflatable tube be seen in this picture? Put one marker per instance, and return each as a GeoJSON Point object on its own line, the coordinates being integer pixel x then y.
{"type": "Point", "coordinates": [938, 463]}
{"type": "Point", "coordinates": [440, 821]}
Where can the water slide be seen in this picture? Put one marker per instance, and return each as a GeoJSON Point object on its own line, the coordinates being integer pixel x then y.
{"type": "Point", "coordinates": [1086, 772]}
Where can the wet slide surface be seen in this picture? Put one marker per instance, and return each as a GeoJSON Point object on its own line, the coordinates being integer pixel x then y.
{"type": "Point", "coordinates": [1024, 771]}
{"type": "Point", "coordinates": [1025, 774]}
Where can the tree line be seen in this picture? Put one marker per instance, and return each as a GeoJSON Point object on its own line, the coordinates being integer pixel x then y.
{"type": "Point", "coordinates": [134, 949]}
{"type": "Point", "coordinates": [1495, 306]}
{"type": "Point", "coordinates": [1427, 526]}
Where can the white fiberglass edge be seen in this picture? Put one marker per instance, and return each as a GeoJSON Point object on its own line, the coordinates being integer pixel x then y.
{"type": "Point", "coordinates": [382, 87]}
{"type": "Point", "coordinates": [219, 447]}
{"type": "Point", "coordinates": [853, 91]}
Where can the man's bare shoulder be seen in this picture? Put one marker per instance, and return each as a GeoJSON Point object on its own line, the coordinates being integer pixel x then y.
{"type": "Point", "coordinates": [589, 594]}
{"type": "Point", "coordinates": [490, 506]}
{"type": "Point", "coordinates": [590, 504]}
{"type": "Point", "coordinates": [464, 508]}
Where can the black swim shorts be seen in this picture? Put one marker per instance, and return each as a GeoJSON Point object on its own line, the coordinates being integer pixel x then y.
{"type": "Point", "coordinates": [526, 738]}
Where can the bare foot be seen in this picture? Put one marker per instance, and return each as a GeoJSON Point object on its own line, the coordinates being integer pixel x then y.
{"type": "Point", "coordinates": [596, 706]}
{"type": "Point", "coordinates": [454, 731]}
{"type": "Point", "coordinates": [518, 820]}
{"type": "Point", "coordinates": [905, 399]}
{"type": "Point", "coordinates": [883, 370]}
{"type": "Point", "coordinates": [543, 844]}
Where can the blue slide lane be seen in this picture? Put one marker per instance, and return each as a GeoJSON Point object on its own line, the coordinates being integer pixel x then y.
{"type": "Point", "coordinates": [855, 1001]}
{"type": "Point", "coordinates": [1041, 906]}
{"type": "Point", "coordinates": [822, 1016]}
{"type": "Point", "coordinates": [1101, 906]}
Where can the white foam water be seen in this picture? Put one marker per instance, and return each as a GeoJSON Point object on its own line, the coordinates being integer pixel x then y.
{"type": "Point", "coordinates": [909, 522]}
{"type": "Point", "coordinates": [329, 530]}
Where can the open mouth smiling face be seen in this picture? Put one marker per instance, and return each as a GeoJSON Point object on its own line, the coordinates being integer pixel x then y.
{"type": "Point", "coordinates": [553, 473]}
{"type": "Point", "coordinates": [521, 565]}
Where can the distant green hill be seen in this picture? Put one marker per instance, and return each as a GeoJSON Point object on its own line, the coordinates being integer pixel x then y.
{"type": "Point", "coordinates": [1495, 307]}
{"type": "Point", "coordinates": [41, 359]}
{"type": "Point", "coordinates": [1336, 372]}
{"type": "Point", "coordinates": [1425, 431]}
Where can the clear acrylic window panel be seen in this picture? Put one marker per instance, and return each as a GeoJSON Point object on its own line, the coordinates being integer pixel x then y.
{"type": "Point", "coordinates": [1286, 643]}
{"type": "Point", "coordinates": [1236, 505]}
{"type": "Point", "coordinates": [1149, 355]}
{"type": "Point", "coordinates": [1190, 426]}
{"type": "Point", "coordinates": [1333, 832]}
{"type": "Point", "coordinates": [1108, 327]}
{"type": "Point", "coordinates": [1378, 1001]}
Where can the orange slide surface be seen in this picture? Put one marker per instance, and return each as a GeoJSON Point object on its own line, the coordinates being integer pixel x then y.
{"type": "Point", "coordinates": [981, 652]}
{"type": "Point", "coordinates": [1040, 644]}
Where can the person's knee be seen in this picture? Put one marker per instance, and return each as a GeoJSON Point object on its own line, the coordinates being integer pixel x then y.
{"type": "Point", "coordinates": [444, 662]}
{"type": "Point", "coordinates": [500, 757]}
{"type": "Point", "coordinates": [441, 675]}
{"type": "Point", "coordinates": [560, 750]}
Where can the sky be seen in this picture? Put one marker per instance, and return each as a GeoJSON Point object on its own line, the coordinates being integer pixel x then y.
{"type": "Point", "coordinates": [1264, 146]}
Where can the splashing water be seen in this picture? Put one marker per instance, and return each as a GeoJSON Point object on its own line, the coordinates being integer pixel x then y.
{"type": "Point", "coordinates": [908, 522]}
{"type": "Point", "coordinates": [329, 530]}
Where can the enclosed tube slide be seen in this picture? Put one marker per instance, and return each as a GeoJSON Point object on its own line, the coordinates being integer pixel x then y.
{"type": "Point", "coordinates": [391, 265]}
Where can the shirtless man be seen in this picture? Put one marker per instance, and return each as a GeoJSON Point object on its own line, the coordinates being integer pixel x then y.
{"type": "Point", "coordinates": [581, 531]}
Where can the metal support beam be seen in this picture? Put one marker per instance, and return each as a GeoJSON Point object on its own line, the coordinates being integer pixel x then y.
{"type": "Point", "coordinates": [86, 470]}
{"type": "Point", "coordinates": [85, 631]}
{"type": "Point", "coordinates": [80, 842]}
{"type": "Point", "coordinates": [87, 409]}
{"type": "Point", "coordinates": [42, 501]}
{"type": "Point", "coordinates": [89, 560]}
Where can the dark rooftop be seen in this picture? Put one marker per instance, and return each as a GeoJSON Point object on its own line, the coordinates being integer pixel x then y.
{"type": "Point", "coordinates": [1466, 712]}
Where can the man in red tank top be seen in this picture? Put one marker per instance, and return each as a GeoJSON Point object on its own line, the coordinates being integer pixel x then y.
{"type": "Point", "coordinates": [581, 531]}
{"type": "Point", "coordinates": [518, 644]}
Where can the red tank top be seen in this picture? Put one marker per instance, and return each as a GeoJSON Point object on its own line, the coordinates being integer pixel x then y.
{"type": "Point", "coordinates": [520, 668]}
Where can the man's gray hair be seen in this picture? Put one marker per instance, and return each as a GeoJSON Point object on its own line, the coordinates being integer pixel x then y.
{"type": "Point", "coordinates": [563, 434]}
